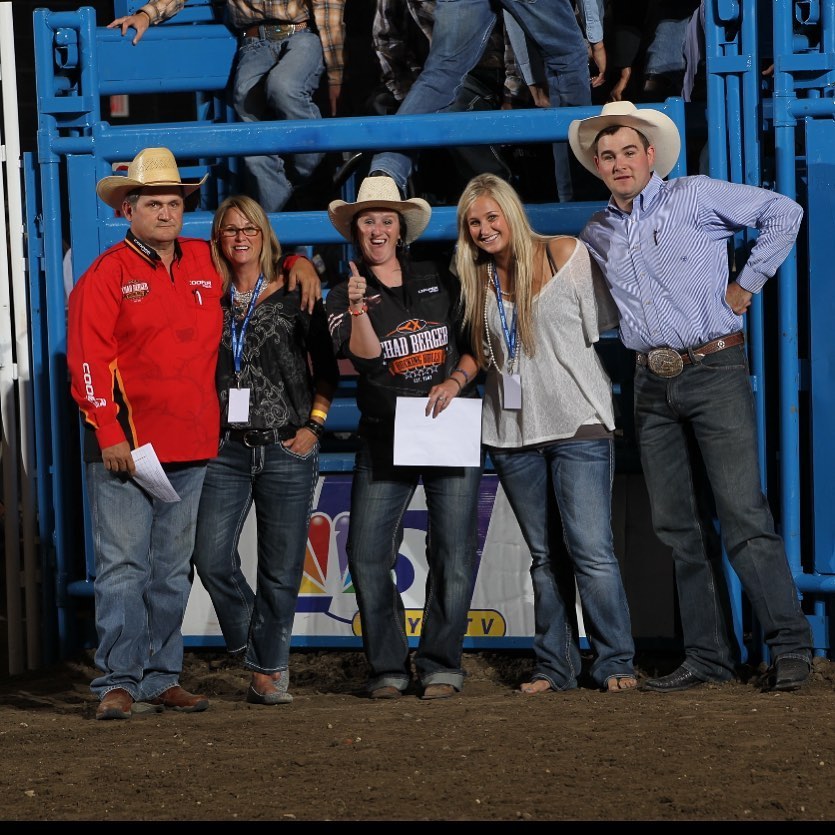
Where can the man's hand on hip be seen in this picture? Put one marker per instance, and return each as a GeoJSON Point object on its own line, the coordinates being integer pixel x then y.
{"type": "Point", "coordinates": [738, 298]}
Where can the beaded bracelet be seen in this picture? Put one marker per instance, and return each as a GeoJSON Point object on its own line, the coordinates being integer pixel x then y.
{"type": "Point", "coordinates": [363, 309]}
{"type": "Point", "coordinates": [460, 371]}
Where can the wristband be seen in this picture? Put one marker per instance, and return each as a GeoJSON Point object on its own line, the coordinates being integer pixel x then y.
{"type": "Point", "coordinates": [145, 12]}
{"type": "Point", "coordinates": [456, 383]}
{"type": "Point", "coordinates": [460, 370]}
{"type": "Point", "coordinates": [363, 309]}
{"type": "Point", "coordinates": [319, 414]}
{"type": "Point", "coordinates": [315, 428]}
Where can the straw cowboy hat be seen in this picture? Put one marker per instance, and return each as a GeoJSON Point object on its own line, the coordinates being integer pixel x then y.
{"type": "Point", "coordinates": [657, 127]}
{"type": "Point", "coordinates": [381, 193]}
{"type": "Point", "coordinates": [150, 167]}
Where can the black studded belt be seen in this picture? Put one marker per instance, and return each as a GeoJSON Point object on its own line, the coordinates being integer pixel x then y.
{"type": "Point", "coordinates": [276, 31]}
{"type": "Point", "coordinates": [260, 437]}
{"type": "Point", "coordinates": [668, 362]}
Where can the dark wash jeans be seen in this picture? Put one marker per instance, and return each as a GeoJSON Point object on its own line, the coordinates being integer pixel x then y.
{"type": "Point", "coordinates": [380, 496]}
{"type": "Point", "coordinates": [714, 399]}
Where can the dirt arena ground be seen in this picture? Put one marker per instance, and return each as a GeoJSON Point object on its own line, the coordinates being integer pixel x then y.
{"type": "Point", "coordinates": [729, 752]}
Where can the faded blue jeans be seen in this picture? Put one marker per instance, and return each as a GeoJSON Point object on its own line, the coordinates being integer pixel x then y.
{"type": "Point", "coordinates": [379, 499]}
{"type": "Point", "coordinates": [581, 475]}
{"type": "Point", "coordinates": [277, 80]}
{"type": "Point", "coordinates": [459, 36]}
{"type": "Point", "coordinates": [142, 549]}
{"type": "Point", "coordinates": [281, 484]}
{"type": "Point", "coordinates": [713, 398]}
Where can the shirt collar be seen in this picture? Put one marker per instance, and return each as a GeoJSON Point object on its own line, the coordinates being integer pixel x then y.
{"type": "Point", "coordinates": [149, 253]}
{"type": "Point", "coordinates": [644, 199]}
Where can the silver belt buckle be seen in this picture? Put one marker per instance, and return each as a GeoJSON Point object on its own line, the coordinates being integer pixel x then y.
{"type": "Point", "coordinates": [665, 362]}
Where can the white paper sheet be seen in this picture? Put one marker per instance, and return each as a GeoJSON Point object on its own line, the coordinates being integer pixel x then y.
{"type": "Point", "coordinates": [453, 439]}
{"type": "Point", "coordinates": [150, 475]}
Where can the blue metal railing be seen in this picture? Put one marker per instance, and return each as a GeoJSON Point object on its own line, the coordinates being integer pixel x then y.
{"type": "Point", "coordinates": [77, 62]}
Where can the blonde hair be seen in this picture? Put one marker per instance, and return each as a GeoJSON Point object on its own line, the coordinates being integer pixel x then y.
{"type": "Point", "coordinates": [471, 262]}
{"type": "Point", "coordinates": [270, 247]}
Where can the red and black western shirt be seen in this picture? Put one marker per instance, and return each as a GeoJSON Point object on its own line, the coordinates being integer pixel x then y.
{"type": "Point", "coordinates": [142, 350]}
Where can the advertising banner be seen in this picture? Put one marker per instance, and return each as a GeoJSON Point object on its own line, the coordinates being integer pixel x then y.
{"type": "Point", "coordinates": [501, 612]}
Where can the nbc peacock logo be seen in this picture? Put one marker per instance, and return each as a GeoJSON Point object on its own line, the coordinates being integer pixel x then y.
{"type": "Point", "coordinates": [327, 589]}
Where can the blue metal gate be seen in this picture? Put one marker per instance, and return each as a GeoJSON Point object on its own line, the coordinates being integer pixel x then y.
{"type": "Point", "coordinates": [752, 137]}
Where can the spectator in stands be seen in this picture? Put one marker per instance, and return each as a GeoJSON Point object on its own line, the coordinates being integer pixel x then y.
{"type": "Point", "coordinates": [396, 321]}
{"type": "Point", "coordinates": [282, 54]}
{"type": "Point", "coordinates": [459, 37]}
{"type": "Point", "coordinates": [533, 71]}
{"type": "Point", "coordinates": [694, 82]}
{"type": "Point", "coordinates": [662, 247]}
{"type": "Point", "coordinates": [590, 16]}
{"type": "Point", "coordinates": [664, 65]}
{"type": "Point", "coordinates": [402, 35]}
{"type": "Point", "coordinates": [276, 376]}
{"type": "Point", "coordinates": [646, 46]}
{"type": "Point", "coordinates": [144, 326]}
{"type": "Point", "coordinates": [535, 306]}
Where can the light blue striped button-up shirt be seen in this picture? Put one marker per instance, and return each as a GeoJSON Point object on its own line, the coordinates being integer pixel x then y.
{"type": "Point", "coordinates": [667, 262]}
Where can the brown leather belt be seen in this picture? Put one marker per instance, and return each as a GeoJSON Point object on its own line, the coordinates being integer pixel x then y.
{"type": "Point", "coordinates": [275, 31]}
{"type": "Point", "coordinates": [260, 437]}
{"type": "Point", "coordinates": [667, 362]}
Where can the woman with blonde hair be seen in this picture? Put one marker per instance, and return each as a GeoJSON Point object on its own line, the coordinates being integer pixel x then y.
{"type": "Point", "coordinates": [273, 408]}
{"type": "Point", "coordinates": [535, 306]}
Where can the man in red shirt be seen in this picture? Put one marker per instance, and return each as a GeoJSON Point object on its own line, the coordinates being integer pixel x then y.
{"type": "Point", "coordinates": [143, 333]}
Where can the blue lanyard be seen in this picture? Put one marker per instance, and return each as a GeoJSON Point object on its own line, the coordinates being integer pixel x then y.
{"type": "Point", "coordinates": [238, 339]}
{"type": "Point", "coordinates": [509, 333]}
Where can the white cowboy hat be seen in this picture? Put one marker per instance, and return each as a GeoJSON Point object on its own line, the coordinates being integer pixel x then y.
{"type": "Point", "coordinates": [381, 193]}
{"type": "Point", "coordinates": [657, 127]}
{"type": "Point", "coordinates": [150, 167]}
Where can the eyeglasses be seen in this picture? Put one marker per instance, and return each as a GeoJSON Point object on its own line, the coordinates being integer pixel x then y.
{"type": "Point", "coordinates": [232, 231]}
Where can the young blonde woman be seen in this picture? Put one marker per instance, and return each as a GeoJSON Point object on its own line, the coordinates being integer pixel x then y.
{"type": "Point", "coordinates": [535, 306]}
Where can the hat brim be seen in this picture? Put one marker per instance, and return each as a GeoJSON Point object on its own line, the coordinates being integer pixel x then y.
{"type": "Point", "coordinates": [657, 127]}
{"type": "Point", "coordinates": [416, 212]}
{"type": "Point", "coordinates": [114, 189]}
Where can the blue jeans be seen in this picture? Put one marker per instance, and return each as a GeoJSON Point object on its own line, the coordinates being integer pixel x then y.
{"type": "Point", "coordinates": [713, 400]}
{"type": "Point", "coordinates": [277, 80]}
{"type": "Point", "coordinates": [142, 548]}
{"type": "Point", "coordinates": [581, 474]}
{"type": "Point", "coordinates": [281, 484]}
{"type": "Point", "coordinates": [379, 499]}
{"type": "Point", "coordinates": [459, 36]}
{"type": "Point", "coordinates": [666, 52]}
